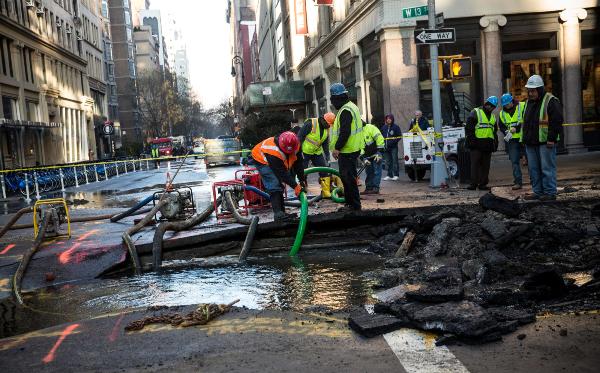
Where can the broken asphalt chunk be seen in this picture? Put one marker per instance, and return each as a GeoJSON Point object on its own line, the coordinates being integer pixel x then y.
{"type": "Point", "coordinates": [501, 205]}
{"type": "Point", "coordinates": [373, 325]}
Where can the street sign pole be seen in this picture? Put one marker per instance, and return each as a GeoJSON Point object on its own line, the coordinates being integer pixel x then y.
{"type": "Point", "coordinates": [438, 171]}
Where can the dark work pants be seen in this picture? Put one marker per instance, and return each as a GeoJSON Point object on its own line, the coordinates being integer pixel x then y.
{"type": "Point", "coordinates": [348, 174]}
{"type": "Point", "coordinates": [480, 167]}
{"type": "Point", "coordinates": [318, 160]}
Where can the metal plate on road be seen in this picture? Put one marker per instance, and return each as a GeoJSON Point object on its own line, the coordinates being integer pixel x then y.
{"type": "Point", "coordinates": [435, 36]}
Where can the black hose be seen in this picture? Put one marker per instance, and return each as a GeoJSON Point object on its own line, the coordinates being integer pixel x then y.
{"type": "Point", "coordinates": [311, 201]}
{"type": "Point", "coordinates": [125, 214]}
{"type": "Point", "coordinates": [137, 265]}
{"type": "Point", "coordinates": [233, 208]}
{"type": "Point", "coordinates": [20, 273]}
{"type": "Point", "coordinates": [249, 239]}
{"type": "Point", "coordinates": [157, 243]}
{"type": "Point", "coordinates": [14, 219]}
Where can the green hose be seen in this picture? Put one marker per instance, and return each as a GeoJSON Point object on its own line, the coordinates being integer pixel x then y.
{"type": "Point", "coordinates": [304, 208]}
{"type": "Point", "coordinates": [335, 196]}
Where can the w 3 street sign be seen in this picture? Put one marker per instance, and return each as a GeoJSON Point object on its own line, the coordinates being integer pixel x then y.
{"type": "Point", "coordinates": [435, 36]}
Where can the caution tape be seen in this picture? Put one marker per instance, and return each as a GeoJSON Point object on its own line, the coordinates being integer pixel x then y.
{"type": "Point", "coordinates": [168, 158]}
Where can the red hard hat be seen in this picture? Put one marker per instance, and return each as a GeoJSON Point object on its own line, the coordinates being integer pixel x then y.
{"type": "Point", "coordinates": [288, 142]}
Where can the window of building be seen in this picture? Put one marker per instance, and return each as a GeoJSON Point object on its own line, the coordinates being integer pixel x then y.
{"type": "Point", "coordinates": [10, 108]}
{"type": "Point", "coordinates": [26, 57]}
{"type": "Point", "coordinates": [5, 55]}
{"type": "Point", "coordinates": [127, 18]}
{"type": "Point", "coordinates": [32, 111]}
{"type": "Point", "coordinates": [309, 96]}
{"type": "Point", "coordinates": [529, 43]}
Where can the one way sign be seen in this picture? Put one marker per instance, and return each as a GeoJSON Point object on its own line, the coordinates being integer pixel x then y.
{"type": "Point", "coordinates": [442, 35]}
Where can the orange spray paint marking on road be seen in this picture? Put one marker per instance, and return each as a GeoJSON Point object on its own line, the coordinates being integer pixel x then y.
{"type": "Point", "coordinates": [65, 333]}
{"type": "Point", "coordinates": [85, 236]}
{"type": "Point", "coordinates": [7, 248]}
{"type": "Point", "coordinates": [115, 330]}
{"type": "Point", "coordinates": [65, 256]}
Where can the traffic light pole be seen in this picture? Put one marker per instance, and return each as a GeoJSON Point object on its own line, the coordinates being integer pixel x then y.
{"type": "Point", "coordinates": [439, 174]}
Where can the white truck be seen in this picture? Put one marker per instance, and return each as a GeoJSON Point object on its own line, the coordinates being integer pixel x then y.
{"type": "Point", "coordinates": [419, 151]}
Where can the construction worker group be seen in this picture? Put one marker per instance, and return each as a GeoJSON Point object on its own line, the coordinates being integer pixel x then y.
{"type": "Point", "coordinates": [536, 124]}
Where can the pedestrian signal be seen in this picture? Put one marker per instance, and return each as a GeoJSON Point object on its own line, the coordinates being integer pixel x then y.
{"type": "Point", "coordinates": [461, 67]}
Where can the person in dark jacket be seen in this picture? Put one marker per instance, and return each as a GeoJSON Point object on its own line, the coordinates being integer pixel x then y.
{"type": "Point", "coordinates": [482, 140]}
{"type": "Point", "coordinates": [420, 120]}
{"type": "Point", "coordinates": [391, 133]}
{"type": "Point", "coordinates": [346, 143]}
{"type": "Point", "coordinates": [542, 129]}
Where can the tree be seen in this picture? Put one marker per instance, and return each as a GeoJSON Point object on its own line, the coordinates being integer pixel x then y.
{"type": "Point", "coordinates": [160, 104]}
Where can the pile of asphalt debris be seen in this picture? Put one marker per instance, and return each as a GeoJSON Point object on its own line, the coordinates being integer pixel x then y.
{"type": "Point", "coordinates": [475, 273]}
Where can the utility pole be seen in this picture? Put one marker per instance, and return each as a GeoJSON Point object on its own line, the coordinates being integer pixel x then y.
{"type": "Point", "coordinates": [439, 174]}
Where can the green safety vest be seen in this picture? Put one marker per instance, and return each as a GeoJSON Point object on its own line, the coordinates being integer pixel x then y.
{"type": "Point", "coordinates": [514, 120]}
{"type": "Point", "coordinates": [543, 123]}
{"type": "Point", "coordinates": [355, 142]}
{"type": "Point", "coordinates": [372, 135]}
{"type": "Point", "coordinates": [313, 142]}
{"type": "Point", "coordinates": [485, 127]}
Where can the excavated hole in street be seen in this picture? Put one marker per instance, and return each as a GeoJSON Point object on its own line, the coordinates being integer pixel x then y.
{"type": "Point", "coordinates": [490, 271]}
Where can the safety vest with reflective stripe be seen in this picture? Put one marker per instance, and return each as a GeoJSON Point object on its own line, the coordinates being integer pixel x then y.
{"type": "Point", "coordinates": [543, 124]}
{"type": "Point", "coordinates": [313, 142]}
{"type": "Point", "coordinates": [485, 127]}
{"type": "Point", "coordinates": [268, 146]}
{"type": "Point", "coordinates": [355, 142]}
{"type": "Point", "coordinates": [372, 135]}
{"type": "Point", "coordinates": [514, 119]}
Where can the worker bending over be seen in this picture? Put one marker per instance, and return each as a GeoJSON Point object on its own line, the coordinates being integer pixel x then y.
{"type": "Point", "coordinates": [315, 147]}
{"type": "Point", "coordinates": [279, 162]}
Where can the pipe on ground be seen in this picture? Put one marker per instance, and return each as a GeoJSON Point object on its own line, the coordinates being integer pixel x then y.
{"type": "Point", "coordinates": [127, 213]}
{"type": "Point", "coordinates": [14, 219]}
{"type": "Point", "coordinates": [249, 239]}
{"type": "Point", "coordinates": [135, 259]}
{"type": "Point", "coordinates": [20, 273]}
{"type": "Point", "coordinates": [233, 208]}
{"type": "Point", "coordinates": [157, 243]}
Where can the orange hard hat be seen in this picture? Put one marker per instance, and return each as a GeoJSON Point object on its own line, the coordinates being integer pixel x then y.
{"type": "Point", "coordinates": [329, 118]}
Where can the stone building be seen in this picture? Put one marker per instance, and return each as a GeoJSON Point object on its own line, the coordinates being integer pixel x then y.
{"type": "Point", "coordinates": [147, 49]}
{"type": "Point", "coordinates": [47, 106]}
{"type": "Point", "coordinates": [369, 46]}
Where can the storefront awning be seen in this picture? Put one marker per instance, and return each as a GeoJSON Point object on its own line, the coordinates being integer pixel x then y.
{"type": "Point", "coordinates": [268, 95]}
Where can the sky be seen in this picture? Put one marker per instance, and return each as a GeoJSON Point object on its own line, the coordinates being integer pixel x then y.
{"type": "Point", "coordinates": [206, 33]}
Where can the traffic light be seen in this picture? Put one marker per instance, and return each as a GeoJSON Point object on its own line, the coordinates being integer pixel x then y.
{"type": "Point", "coordinates": [461, 67]}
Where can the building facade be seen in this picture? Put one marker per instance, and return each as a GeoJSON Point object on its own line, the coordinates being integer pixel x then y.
{"type": "Point", "coordinates": [241, 16]}
{"type": "Point", "coordinates": [123, 48]}
{"type": "Point", "coordinates": [46, 106]}
{"type": "Point", "coordinates": [147, 49]}
{"type": "Point", "coordinates": [369, 46]}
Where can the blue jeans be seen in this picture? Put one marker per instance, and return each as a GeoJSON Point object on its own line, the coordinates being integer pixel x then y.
{"type": "Point", "coordinates": [269, 179]}
{"type": "Point", "coordinates": [373, 176]}
{"type": "Point", "coordinates": [391, 162]}
{"type": "Point", "coordinates": [514, 153]}
{"type": "Point", "coordinates": [542, 169]}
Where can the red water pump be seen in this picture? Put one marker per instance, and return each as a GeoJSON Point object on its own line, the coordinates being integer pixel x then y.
{"type": "Point", "coordinates": [251, 177]}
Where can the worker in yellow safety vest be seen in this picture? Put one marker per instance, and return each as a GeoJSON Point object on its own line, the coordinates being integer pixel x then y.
{"type": "Point", "coordinates": [371, 156]}
{"type": "Point", "coordinates": [511, 118]}
{"type": "Point", "coordinates": [346, 143]}
{"type": "Point", "coordinates": [542, 128]}
{"type": "Point", "coordinates": [314, 137]}
{"type": "Point", "coordinates": [482, 140]}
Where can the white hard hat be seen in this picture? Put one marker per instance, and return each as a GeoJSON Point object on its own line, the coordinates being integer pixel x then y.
{"type": "Point", "coordinates": [534, 81]}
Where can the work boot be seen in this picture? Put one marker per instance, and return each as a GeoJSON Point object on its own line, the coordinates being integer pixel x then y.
{"type": "Point", "coordinates": [325, 186]}
{"type": "Point", "coordinates": [531, 197]}
{"type": "Point", "coordinates": [472, 187]}
{"type": "Point", "coordinates": [483, 187]}
{"type": "Point", "coordinates": [548, 197]}
{"type": "Point", "coordinates": [279, 214]}
{"type": "Point", "coordinates": [517, 187]}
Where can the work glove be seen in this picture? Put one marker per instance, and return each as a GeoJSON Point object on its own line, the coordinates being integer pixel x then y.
{"type": "Point", "coordinates": [298, 189]}
{"type": "Point", "coordinates": [303, 184]}
{"type": "Point", "coordinates": [378, 157]}
{"type": "Point", "coordinates": [367, 162]}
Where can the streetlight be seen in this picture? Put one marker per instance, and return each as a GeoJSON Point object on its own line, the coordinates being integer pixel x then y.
{"type": "Point", "coordinates": [238, 60]}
